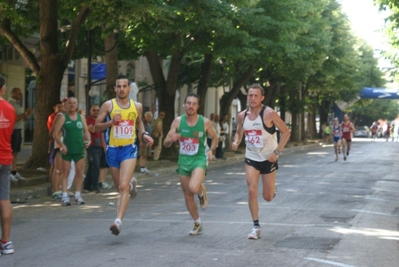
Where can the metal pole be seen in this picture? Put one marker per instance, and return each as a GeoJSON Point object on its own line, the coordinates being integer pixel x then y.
{"type": "Point", "coordinates": [89, 52]}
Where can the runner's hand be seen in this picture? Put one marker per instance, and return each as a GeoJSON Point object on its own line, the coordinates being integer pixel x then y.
{"type": "Point", "coordinates": [148, 140]}
{"type": "Point", "coordinates": [234, 146]}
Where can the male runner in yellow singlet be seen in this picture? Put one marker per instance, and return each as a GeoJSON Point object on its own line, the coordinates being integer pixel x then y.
{"type": "Point", "coordinates": [120, 117]}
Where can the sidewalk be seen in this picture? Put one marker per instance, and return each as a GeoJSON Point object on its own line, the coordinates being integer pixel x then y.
{"type": "Point", "coordinates": [37, 185]}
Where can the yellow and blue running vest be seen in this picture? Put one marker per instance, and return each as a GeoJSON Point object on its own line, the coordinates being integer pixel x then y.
{"type": "Point", "coordinates": [123, 132]}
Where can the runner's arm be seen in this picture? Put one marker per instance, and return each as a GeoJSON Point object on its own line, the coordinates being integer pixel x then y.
{"type": "Point", "coordinates": [172, 135]}
{"type": "Point", "coordinates": [86, 133]}
{"type": "Point", "coordinates": [282, 127]}
{"type": "Point", "coordinates": [239, 131]}
{"type": "Point", "coordinates": [100, 125]}
{"type": "Point", "coordinates": [143, 138]}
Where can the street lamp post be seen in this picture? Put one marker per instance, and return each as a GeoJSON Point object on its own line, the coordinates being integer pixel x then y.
{"type": "Point", "coordinates": [90, 45]}
{"type": "Point", "coordinates": [65, 25]}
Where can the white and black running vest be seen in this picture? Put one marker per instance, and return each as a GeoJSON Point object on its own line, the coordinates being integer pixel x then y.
{"type": "Point", "coordinates": [260, 140]}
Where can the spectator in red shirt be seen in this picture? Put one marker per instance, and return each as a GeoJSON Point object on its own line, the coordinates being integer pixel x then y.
{"type": "Point", "coordinates": [93, 153]}
{"type": "Point", "coordinates": [7, 121]}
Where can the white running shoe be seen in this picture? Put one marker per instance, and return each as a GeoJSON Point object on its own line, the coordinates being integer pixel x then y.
{"type": "Point", "coordinates": [105, 185]}
{"type": "Point", "coordinates": [6, 248]}
{"type": "Point", "coordinates": [12, 178]}
{"type": "Point", "coordinates": [133, 187]}
{"type": "Point", "coordinates": [144, 170]}
{"type": "Point", "coordinates": [65, 201]}
{"type": "Point", "coordinates": [18, 176]}
{"type": "Point", "coordinates": [255, 233]}
{"type": "Point", "coordinates": [197, 229]}
{"type": "Point", "coordinates": [79, 200]}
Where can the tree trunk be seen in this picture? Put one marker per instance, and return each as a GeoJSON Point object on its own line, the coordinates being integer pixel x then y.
{"type": "Point", "coordinates": [166, 91]}
{"type": "Point", "coordinates": [271, 95]}
{"type": "Point", "coordinates": [48, 83]}
{"type": "Point", "coordinates": [295, 127]}
{"type": "Point", "coordinates": [46, 98]}
{"type": "Point", "coordinates": [203, 83]}
{"type": "Point", "coordinates": [311, 123]}
{"type": "Point", "coordinates": [111, 58]}
{"type": "Point", "coordinates": [283, 102]}
{"type": "Point", "coordinates": [243, 100]}
{"type": "Point", "coordinates": [227, 98]}
{"type": "Point", "coordinates": [324, 110]}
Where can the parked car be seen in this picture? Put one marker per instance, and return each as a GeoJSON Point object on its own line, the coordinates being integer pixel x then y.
{"type": "Point", "coordinates": [362, 132]}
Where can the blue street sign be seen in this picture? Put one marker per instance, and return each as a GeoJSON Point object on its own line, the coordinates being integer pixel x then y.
{"type": "Point", "coordinates": [379, 93]}
{"type": "Point", "coordinates": [98, 71]}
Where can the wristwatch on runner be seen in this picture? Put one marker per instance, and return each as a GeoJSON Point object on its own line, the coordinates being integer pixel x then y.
{"type": "Point", "coordinates": [278, 153]}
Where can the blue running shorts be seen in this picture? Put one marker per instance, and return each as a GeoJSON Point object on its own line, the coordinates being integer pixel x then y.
{"type": "Point", "coordinates": [116, 155]}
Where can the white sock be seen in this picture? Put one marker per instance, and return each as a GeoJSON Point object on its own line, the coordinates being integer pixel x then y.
{"type": "Point", "coordinates": [64, 194]}
{"type": "Point", "coordinates": [77, 194]}
{"type": "Point", "coordinates": [198, 220]}
{"type": "Point", "coordinates": [118, 221]}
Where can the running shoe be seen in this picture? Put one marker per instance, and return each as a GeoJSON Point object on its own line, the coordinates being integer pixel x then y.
{"type": "Point", "coordinates": [7, 248]}
{"type": "Point", "coordinates": [65, 201]}
{"type": "Point", "coordinates": [12, 178]}
{"type": "Point", "coordinates": [255, 233]}
{"type": "Point", "coordinates": [344, 158]}
{"type": "Point", "coordinates": [115, 228]}
{"type": "Point", "coordinates": [197, 229]}
{"type": "Point", "coordinates": [104, 185]}
{"type": "Point", "coordinates": [133, 187]}
{"type": "Point", "coordinates": [79, 200]}
{"type": "Point", "coordinates": [144, 170]}
{"type": "Point", "coordinates": [204, 199]}
{"type": "Point", "coordinates": [18, 176]}
{"type": "Point", "coordinates": [57, 195]}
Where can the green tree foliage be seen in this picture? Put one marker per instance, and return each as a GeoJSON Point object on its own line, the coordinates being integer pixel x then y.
{"type": "Point", "coordinates": [18, 20]}
{"type": "Point", "coordinates": [302, 50]}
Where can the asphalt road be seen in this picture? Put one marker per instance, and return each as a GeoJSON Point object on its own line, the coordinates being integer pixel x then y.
{"type": "Point", "coordinates": [326, 213]}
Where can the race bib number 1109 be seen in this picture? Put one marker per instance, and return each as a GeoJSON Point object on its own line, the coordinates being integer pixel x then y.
{"type": "Point", "coordinates": [123, 129]}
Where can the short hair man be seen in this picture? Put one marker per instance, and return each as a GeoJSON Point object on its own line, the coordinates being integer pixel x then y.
{"type": "Point", "coordinates": [259, 123]}
{"type": "Point", "coordinates": [191, 130]}
{"type": "Point", "coordinates": [76, 138]}
{"type": "Point", "coordinates": [119, 117]}
{"type": "Point", "coordinates": [7, 121]}
{"type": "Point", "coordinates": [347, 129]}
{"type": "Point", "coordinates": [94, 152]}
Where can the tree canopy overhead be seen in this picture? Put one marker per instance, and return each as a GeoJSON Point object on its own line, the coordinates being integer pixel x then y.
{"type": "Point", "coordinates": [302, 51]}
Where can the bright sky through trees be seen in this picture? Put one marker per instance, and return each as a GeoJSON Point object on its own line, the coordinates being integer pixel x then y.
{"type": "Point", "coordinates": [367, 23]}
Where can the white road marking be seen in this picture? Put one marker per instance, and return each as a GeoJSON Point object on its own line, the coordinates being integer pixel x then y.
{"type": "Point", "coordinates": [376, 213]}
{"type": "Point", "coordinates": [329, 262]}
